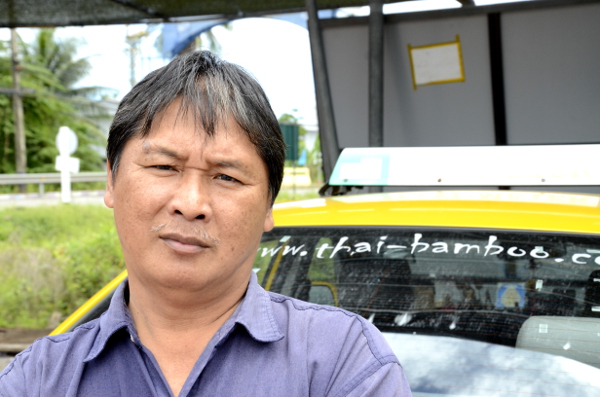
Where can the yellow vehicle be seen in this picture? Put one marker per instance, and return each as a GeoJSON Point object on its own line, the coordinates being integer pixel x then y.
{"type": "Point", "coordinates": [479, 292]}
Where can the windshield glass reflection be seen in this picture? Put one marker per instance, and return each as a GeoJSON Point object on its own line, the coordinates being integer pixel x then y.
{"type": "Point", "coordinates": [448, 366]}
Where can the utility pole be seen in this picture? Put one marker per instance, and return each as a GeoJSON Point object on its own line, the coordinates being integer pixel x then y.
{"type": "Point", "coordinates": [133, 40]}
{"type": "Point", "coordinates": [20, 148]}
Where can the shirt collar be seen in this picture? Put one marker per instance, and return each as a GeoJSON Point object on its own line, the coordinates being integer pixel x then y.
{"type": "Point", "coordinates": [255, 314]}
{"type": "Point", "coordinates": [114, 319]}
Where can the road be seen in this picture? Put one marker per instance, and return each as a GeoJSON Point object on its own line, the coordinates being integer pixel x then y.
{"type": "Point", "coordinates": [51, 198]}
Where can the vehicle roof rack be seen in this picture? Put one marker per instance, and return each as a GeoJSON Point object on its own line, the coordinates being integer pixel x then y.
{"type": "Point", "coordinates": [466, 166]}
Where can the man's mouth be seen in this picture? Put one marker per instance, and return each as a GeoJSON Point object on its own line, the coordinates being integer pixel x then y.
{"type": "Point", "coordinates": [184, 244]}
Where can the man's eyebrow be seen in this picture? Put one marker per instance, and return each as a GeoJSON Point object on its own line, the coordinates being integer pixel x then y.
{"type": "Point", "coordinates": [150, 148]}
{"type": "Point", "coordinates": [230, 164]}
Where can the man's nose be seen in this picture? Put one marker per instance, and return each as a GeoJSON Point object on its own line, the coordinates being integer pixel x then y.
{"type": "Point", "coordinates": [192, 198]}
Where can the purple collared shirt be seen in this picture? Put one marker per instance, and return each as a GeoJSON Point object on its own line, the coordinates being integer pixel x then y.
{"type": "Point", "coordinates": [271, 346]}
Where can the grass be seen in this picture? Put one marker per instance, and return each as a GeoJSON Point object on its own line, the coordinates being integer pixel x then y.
{"type": "Point", "coordinates": [52, 259]}
{"type": "Point", "coordinates": [289, 194]}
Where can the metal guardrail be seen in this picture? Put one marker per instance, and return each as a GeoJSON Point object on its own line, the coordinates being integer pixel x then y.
{"type": "Point", "coordinates": [50, 177]}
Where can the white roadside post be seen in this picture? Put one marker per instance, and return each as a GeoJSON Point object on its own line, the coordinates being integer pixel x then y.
{"type": "Point", "coordinates": [66, 142]}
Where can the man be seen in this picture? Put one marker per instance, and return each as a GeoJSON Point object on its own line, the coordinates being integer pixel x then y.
{"type": "Point", "coordinates": [195, 159]}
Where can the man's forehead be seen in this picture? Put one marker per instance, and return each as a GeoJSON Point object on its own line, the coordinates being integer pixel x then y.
{"type": "Point", "coordinates": [230, 159]}
{"type": "Point", "coordinates": [201, 115]}
{"type": "Point", "coordinates": [179, 115]}
{"type": "Point", "coordinates": [150, 147]}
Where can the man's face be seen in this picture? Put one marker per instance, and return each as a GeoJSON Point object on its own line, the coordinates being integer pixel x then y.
{"type": "Point", "coordinates": [190, 209]}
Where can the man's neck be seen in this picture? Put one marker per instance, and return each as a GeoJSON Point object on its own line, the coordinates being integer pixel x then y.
{"type": "Point", "coordinates": [172, 310]}
{"type": "Point", "coordinates": [176, 326]}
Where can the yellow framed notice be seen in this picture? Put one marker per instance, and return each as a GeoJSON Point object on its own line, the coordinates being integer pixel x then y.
{"type": "Point", "coordinates": [436, 63]}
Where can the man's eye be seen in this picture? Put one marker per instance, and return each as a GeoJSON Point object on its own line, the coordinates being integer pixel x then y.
{"type": "Point", "coordinates": [163, 167]}
{"type": "Point", "coordinates": [224, 177]}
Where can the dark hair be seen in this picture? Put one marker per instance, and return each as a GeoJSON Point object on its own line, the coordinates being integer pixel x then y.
{"type": "Point", "coordinates": [213, 90]}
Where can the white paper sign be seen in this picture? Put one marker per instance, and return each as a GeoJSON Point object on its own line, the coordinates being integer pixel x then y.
{"type": "Point", "coordinates": [438, 63]}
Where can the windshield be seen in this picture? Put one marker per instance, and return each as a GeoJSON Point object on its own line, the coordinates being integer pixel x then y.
{"type": "Point", "coordinates": [537, 292]}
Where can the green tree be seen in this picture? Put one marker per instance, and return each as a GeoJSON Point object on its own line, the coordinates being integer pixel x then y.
{"type": "Point", "coordinates": [49, 74]}
{"type": "Point", "coordinates": [58, 58]}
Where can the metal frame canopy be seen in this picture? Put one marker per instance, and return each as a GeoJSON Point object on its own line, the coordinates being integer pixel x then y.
{"type": "Point", "coordinates": [41, 13]}
{"type": "Point", "coordinates": [32, 13]}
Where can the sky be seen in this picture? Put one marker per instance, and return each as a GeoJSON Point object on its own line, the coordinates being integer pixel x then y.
{"type": "Point", "coordinates": [276, 52]}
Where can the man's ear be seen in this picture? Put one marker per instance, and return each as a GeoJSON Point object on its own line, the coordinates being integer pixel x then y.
{"type": "Point", "coordinates": [109, 193]}
{"type": "Point", "coordinates": [269, 221]}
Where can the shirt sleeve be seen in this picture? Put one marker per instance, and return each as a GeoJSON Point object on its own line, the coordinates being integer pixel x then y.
{"type": "Point", "coordinates": [12, 380]}
{"type": "Point", "coordinates": [388, 381]}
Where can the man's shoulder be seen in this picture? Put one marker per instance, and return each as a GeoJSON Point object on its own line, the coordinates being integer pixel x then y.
{"type": "Point", "coordinates": [50, 349]}
{"type": "Point", "coordinates": [48, 359]}
{"type": "Point", "coordinates": [344, 353]}
{"type": "Point", "coordinates": [82, 334]}
{"type": "Point", "coordinates": [301, 310]}
{"type": "Point", "coordinates": [298, 309]}
{"type": "Point", "coordinates": [330, 326]}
